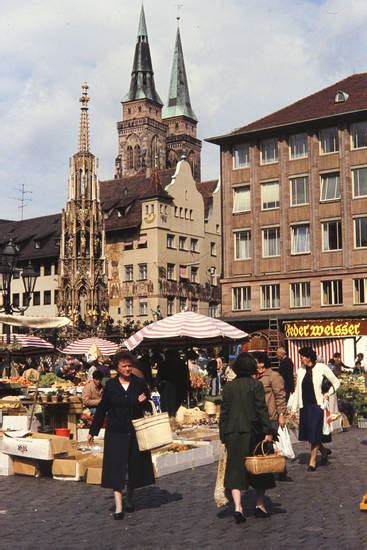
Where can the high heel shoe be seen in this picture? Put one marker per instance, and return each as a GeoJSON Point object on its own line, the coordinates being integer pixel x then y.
{"type": "Point", "coordinates": [324, 457]}
{"type": "Point", "coordinates": [311, 468]}
{"type": "Point", "coordinates": [260, 513]}
{"type": "Point", "coordinates": [239, 517]}
{"type": "Point", "coordinates": [118, 515]}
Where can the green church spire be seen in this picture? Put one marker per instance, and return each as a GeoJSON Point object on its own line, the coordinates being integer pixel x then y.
{"type": "Point", "coordinates": [179, 103]}
{"type": "Point", "coordinates": [142, 80]}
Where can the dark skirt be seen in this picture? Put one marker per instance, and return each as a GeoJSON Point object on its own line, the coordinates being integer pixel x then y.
{"type": "Point", "coordinates": [240, 445]}
{"type": "Point", "coordinates": [123, 461]}
{"type": "Point", "coordinates": [311, 422]}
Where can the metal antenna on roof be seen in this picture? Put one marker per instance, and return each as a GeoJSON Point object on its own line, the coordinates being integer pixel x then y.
{"type": "Point", "coordinates": [178, 17]}
{"type": "Point", "coordinates": [23, 200]}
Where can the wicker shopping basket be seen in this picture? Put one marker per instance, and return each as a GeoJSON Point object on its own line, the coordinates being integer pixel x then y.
{"type": "Point", "coordinates": [264, 463]}
{"type": "Point", "coordinates": [153, 431]}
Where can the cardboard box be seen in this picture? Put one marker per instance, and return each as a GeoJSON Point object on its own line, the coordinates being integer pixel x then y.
{"type": "Point", "coordinates": [70, 468]}
{"type": "Point", "coordinates": [31, 467]}
{"type": "Point", "coordinates": [40, 446]}
{"type": "Point", "coordinates": [94, 475]}
{"type": "Point", "coordinates": [82, 434]}
{"type": "Point", "coordinates": [12, 422]}
{"type": "Point", "coordinates": [6, 465]}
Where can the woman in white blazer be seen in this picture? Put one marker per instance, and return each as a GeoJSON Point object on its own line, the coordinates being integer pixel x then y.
{"type": "Point", "coordinates": [309, 399]}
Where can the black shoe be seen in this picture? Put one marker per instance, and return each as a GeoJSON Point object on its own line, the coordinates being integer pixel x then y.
{"type": "Point", "coordinates": [239, 517]}
{"type": "Point", "coordinates": [130, 509]}
{"type": "Point", "coordinates": [259, 513]}
{"type": "Point", "coordinates": [324, 457]}
{"type": "Point", "coordinates": [118, 515]}
{"type": "Point", "coordinates": [328, 451]}
{"type": "Point", "coordinates": [311, 468]}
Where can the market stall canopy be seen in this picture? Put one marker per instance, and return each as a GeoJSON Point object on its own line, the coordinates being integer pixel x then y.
{"type": "Point", "coordinates": [24, 342]}
{"type": "Point", "coordinates": [83, 347]}
{"type": "Point", "coordinates": [35, 322]}
{"type": "Point", "coordinates": [186, 328]}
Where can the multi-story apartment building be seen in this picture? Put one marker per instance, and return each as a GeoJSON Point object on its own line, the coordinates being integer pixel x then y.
{"type": "Point", "coordinates": [294, 196]}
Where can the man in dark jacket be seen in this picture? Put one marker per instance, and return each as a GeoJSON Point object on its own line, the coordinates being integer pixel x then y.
{"type": "Point", "coordinates": [286, 371]}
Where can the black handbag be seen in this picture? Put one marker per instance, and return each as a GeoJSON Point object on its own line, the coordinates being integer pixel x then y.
{"type": "Point", "coordinates": [325, 385]}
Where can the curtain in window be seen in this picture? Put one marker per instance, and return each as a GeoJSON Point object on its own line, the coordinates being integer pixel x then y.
{"type": "Point", "coordinates": [299, 190]}
{"type": "Point", "coordinates": [360, 182]}
{"type": "Point", "coordinates": [243, 245]}
{"type": "Point", "coordinates": [271, 242]}
{"type": "Point", "coordinates": [241, 155]}
{"type": "Point", "coordinates": [241, 199]}
{"type": "Point", "coordinates": [301, 239]}
{"type": "Point", "coordinates": [330, 187]}
{"type": "Point", "coordinates": [270, 194]}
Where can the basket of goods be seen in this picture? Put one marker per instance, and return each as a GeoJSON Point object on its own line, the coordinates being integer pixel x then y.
{"type": "Point", "coordinates": [10, 402]}
{"type": "Point", "coordinates": [194, 415]}
{"type": "Point", "coordinates": [264, 463]}
{"type": "Point", "coordinates": [210, 407]}
{"type": "Point", "coordinates": [153, 431]}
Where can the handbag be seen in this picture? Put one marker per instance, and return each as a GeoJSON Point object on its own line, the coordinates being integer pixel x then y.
{"type": "Point", "coordinates": [153, 430]}
{"type": "Point", "coordinates": [264, 463]}
{"type": "Point", "coordinates": [325, 385]}
{"type": "Point", "coordinates": [284, 444]}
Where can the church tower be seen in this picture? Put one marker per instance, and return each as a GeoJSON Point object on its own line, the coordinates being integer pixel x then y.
{"type": "Point", "coordinates": [82, 270]}
{"type": "Point", "coordinates": [141, 133]}
{"type": "Point", "coordinates": [181, 119]}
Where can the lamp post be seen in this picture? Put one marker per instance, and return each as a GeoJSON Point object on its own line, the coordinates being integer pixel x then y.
{"type": "Point", "coordinates": [8, 267]}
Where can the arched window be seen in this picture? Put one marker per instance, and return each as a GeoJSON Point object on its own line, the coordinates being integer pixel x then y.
{"type": "Point", "coordinates": [130, 158]}
{"type": "Point", "coordinates": [137, 157]}
{"type": "Point", "coordinates": [172, 159]}
{"type": "Point", "coordinates": [86, 184]}
{"type": "Point", "coordinates": [80, 186]}
{"type": "Point", "coordinates": [155, 153]}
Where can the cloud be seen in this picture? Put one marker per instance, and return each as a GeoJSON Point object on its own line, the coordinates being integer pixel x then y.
{"type": "Point", "coordinates": [244, 59]}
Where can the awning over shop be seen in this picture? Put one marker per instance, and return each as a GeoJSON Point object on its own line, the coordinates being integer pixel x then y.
{"type": "Point", "coordinates": [325, 347]}
{"type": "Point", "coordinates": [34, 322]}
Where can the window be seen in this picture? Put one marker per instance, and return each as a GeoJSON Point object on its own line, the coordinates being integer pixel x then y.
{"type": "Point", "coordinates": [270, 296]}
{"type": "Point", "coordinates": [183, 272]}
{"type": "Point", "coordinates": [270, 195]}
{"type": "Point", "coordinates": [330, 187]}
{"type": "Point", "coordinates": [143, 306]}
{"type": "Point", "coordinates": [56, 268]}
{"type": "Point", "coordinates": [331, 293]}
{"type": "Point", "coordinates": [331, 235]}
{"type": "Point", "coordinates": [143, 271]}
{"type": "Point", "coordinates": [56, 296]}
{"type": "Point", "coordinates": [300, 294]}
{"type": "Point", "coordinates": [129, 246]}
{"type": "Point", "coordinates": [36, 298]}
{"type": "Point", "coordinates": [47, 297]}
{"type": "Point", "coordinates": [183, 304]}
{"type": "Point", "coordinates": [47, 269]}
{"type": "Point", "coordinates": [213, 310]}
{"type": "Point", "coordinates": [37, 244]}
{"type": "Point", "coordinates": [129, 273]}
{"type": "Point", "coordinates": [129, 306]}
{"type": "Point", "coordinates": [358, 134]}
{"type": "Point", "coordinates": [241, 199]}
{"type": "Point", "coordinates": [182, 243]}
{"type": "Point", "coordinates": [241, 155]}
{"type": "Point", "coordinates": [16, 300]}
{"type": "Point", "coordinates": [271, 241]}
{"type": "Point", "coordinates": [194, 245]}
{"type": "Point", "coordinates": [170, 306]}
{"type": "Point", "coordinates": [171, 271]}
{"type": "Point", "coordinates": [360, 232]}
{"type": "Point", "coordinates": [268, 151]}
{"type": "Point", "coordinates": [360, 291]}
{"type": "Point", "coordinates": [242, 245]}
{"type": "Point", "coordinates": [194, 306]}
{"type": "Point", "coordinates": [170, 241]}
{"type": "Point", "coordinates": [298, 146]}
{"type": "Point", "coordinates": [194, 274]}
{"type": "Point", "coordinates": [359, 178]}
{"type": "Point", "coordinates": [300, 236]}
{"type": "Point", "coordinates": [329, 141]}
{"type": "Point", "coordinates": [213, 249]}
{"type": "Point", "coordinates": [241, 298]}
{"type": "Point", "coordinates": [299, 190]}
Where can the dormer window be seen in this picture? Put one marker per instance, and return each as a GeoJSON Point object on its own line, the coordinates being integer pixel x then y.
{"type": "Point", "coordinates": [341, 97]}
{"type": "Point", "coordinates": [37, 244]}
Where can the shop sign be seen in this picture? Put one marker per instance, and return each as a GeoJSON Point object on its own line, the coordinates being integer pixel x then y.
{"type": "Point", "coordinates": [325, 328]}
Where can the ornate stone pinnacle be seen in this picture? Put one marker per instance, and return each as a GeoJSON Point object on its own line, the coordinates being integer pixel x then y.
{"type": "Point", "coordinates": [84, 122]}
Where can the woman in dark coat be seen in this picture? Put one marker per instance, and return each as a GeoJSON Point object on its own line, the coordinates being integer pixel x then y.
{"type": "Point", "coordinates": [124, 399]}
{"type": "Point", "coordinates": [244, 421]}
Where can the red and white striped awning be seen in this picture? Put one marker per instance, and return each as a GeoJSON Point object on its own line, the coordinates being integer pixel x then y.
{"type": "Point", "coordinates": [324, 347]}
{"type": "Point", "coordinates": [186, 328]}
{"type": "Point", "coordinates": [24, 341]}
{"type": "Point", "coordinates": [82, 347]}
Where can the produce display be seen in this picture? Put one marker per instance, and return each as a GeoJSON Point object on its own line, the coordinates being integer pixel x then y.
{"type": "Point", "coordinates": [174, 448]}
{"type": "Point", "coordinates": [50, 380]}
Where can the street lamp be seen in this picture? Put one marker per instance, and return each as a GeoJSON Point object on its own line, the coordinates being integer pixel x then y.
{"type": "Point", "coordinates": [8, 262]}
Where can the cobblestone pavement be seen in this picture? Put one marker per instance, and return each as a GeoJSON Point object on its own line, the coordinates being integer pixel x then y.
{"type": "Point", "coordinates": [315, 511]}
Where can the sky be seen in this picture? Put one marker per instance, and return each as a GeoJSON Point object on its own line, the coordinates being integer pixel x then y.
{"type": "Point", "coordinates": [244, 59]}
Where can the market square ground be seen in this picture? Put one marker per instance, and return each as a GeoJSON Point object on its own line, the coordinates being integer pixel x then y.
{"type": "Point", "coordinates": [317, 510]}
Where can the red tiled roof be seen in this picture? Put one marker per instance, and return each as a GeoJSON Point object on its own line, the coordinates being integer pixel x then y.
{"type": "Point", "coordinates": [207, 188]}
{"type": "Point", "coordinates": [321, 104]}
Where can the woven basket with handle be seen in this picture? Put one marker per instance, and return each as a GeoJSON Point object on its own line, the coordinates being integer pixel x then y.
{"type": "Point", "coordinates": [264, 463]}
{"type": "Point", "coordinates": [153, 431]}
